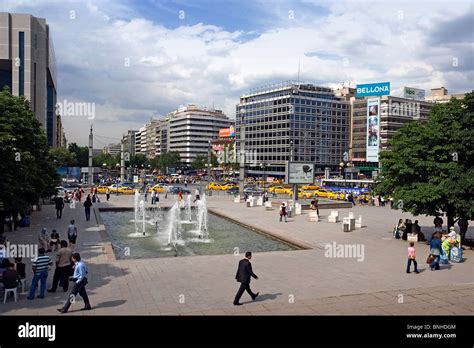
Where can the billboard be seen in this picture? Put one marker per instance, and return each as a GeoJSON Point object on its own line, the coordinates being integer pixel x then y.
{"type": "Point", "coordinates": [373, 129]}
{"type": "Point", "coordinates": [373, 89]}
{"type": "Point", "coordinates": [299, 173]}
{"type": "Point", "coordinates": [414, 93]}
{"type": "Point", "coordinates": [227, 132]}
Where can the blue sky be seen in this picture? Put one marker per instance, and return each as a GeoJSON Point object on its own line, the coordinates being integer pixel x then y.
{"type": "Point", "coordinates": [138, 59]}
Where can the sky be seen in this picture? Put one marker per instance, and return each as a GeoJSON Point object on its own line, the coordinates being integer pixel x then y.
{"type": "Point", "coordinates": [137, 60]}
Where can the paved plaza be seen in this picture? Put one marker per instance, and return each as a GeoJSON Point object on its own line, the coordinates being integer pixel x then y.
{"type": "Point", "coordinates": [291, 282]}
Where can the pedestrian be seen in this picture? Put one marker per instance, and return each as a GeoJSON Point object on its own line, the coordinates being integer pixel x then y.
{"type": "Point", "coordinates": [87, 207]}
{"type": "Point", "coordinates": [438, 223]}
{"type": "Point", "coordinates": [265, 196]}
{"type": "Point", "coordinates": [382, 201]}
{"type": "Point", "coordinates": [463, 225]}
{"type": "Point", "coordinates": [407, 230]}
{"type": "Point", "coordinates": [435, 251]}
{"type": "Point", "coordinates": [63, 268]}
{"type": "Point", "coordinates": [314, 205]}
{"type": "Point", "coordinates": [412, 257]}
{"type": "Point", "coordinates": [43, 239]}
{"type": "Point", "coordinates": [72, 234]}
{"type": "Point", "coordinates": [107, 194]}
{"type": "Point", "coordinates": [59, 203]}
{"type": "Point", "coordinates": [10, 276]}
{"type": "Point", "coordinates": [81, 193]}
{"type": "Point", "coordinates": [146, 193]}
{"type": "Point", "coordinates": [153, 197]}
{"type": "Point", "coordinates": [40, 270]}
{"type": "Point", "coordinates": [185, 183]}
{"type": "Point", "coordinates": [80, 281]}
{"type": "Point", "coordinates": [197, 195]}
{"type": "Point", "coordinates": [416, 229]}
{"type": "Point", "coordinates": [54, 241]}
{"type": "Point", "coordinates": [243, 276]}
{"type": "Point", "coordinates": [283, 211]}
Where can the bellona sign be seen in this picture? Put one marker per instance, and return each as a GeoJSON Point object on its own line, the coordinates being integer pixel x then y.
{"type": "Point", "coordinates": [373, 89]}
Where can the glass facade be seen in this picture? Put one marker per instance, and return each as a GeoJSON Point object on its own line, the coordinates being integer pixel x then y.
{"type": "Point", "coordinates": [21, 56]}
{"type": "Point", "coordinates": [50, 115]}
{"type": "Point", "coordinates": [300, 123]}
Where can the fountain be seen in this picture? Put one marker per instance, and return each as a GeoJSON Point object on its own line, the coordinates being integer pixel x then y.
{"type": "Point", "coordinates": [187, 210]}
{"type": "Point", "coordinates": [142, 211]}
{"type": "Point", "coordinates": [202, 217]}
{"type": "Point", "coordinates": [172, 229]}
{"type": "Point", "coordinates": [136, 199]}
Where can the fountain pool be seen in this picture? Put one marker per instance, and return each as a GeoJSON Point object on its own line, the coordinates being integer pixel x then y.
{"type": "Point", "coordinates": [221, 236]}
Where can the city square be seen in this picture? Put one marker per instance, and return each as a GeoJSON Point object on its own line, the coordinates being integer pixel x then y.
{"type": "Point", "coordinates": [170, 165]}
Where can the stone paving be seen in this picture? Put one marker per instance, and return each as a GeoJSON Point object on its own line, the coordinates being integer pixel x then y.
{"type": "Point", "coordinates": [302, 282]}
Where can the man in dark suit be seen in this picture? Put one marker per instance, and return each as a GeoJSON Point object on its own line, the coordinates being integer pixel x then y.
{"type": "Point", "coordinates": [244, 272]}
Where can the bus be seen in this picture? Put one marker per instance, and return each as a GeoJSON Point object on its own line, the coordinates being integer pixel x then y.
{"type": "Point", "coordinates": [355, 186]}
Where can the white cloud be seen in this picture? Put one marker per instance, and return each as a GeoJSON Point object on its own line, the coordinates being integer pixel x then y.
{"type": "Point", "coordinates": [133, 68]}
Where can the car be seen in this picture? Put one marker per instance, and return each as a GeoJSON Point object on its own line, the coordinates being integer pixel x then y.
{"type": "Point", "coordinates": [61, 191]}
{"type": "Point", "coordinates": [225, 187]}
{"type": "Point", "coordinates": [126, 190]}
{"type": "Point", "coordinates": [175, 190]}
{"type": "Point", "coordinates": [322, 193]}
{"type": "Point", "coordinates": [214, 186]}
{"type": "Point", "coordinates": [101, 189]}
{"type": "Point", "coordinates": [159, 188]}
{"type": "Point", "coordinates": [254, 191]}
{"type": "Point", "coordinates": [279, 189]}
{"type": "Point", "coordinates": [232, 190]}
{"type": "Point", "coordinates": [310, 187]}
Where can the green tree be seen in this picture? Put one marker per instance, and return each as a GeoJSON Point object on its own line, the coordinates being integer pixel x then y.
{"type": "Point", "coordinates": [166, 160]}
{"type": "Point", "coordinates": [81, 153]}
{"type": "Point", "coordinates": [429, 169]}
{"type": "Point", "coordinates": [62, 157]}
{"type": "Point", "coordinates": [28, 173]}
{"type": "Point", "coordinates": [109, 160]}
{"type": "Point", "coordinates": [199, 162]}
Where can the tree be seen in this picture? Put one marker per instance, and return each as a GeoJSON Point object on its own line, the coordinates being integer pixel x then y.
{"type": "Point", "coordinates": [166, 160]}
{"type": "Point", "coordinates": [199, 162]}
{"type": "Point", "coordinates": [62, 157]}
{"type": "Point", "coordinates": [81, 153]}
{"type": "Point", "coordinates": [109, 160]}
{"type": "Point", "coordinates": [28, 173]}
{"type": "Point", "coordinates": [429, 169]}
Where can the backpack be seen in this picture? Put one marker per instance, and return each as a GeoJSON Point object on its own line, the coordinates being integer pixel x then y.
{"type": "Point", "coordinates": [396, 233]}
{"type": "Point", "coordinates": [455, 254]}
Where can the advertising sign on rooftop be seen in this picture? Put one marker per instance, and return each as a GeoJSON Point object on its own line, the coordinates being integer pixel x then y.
{"type": "Point", "coordinates": [373, 89]}
{"type": "Point", "coordinates": [227, 132]}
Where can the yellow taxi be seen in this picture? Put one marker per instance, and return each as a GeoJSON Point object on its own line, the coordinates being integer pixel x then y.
{"type": "Point", "coordinates": [126, 190]}
{"type": "Point", "coordinates": [302, 194]}
{"type": "Point", "coordinates": [225, 187]}
{"type": "Point", "coordinates": [310, 187]}
{"type": "Point", "coordinates": [102, 189]}
{"type": "Point", "coordinates": [159, 188]}
{"type": "Point", "coordinates": [280, 189]}
{"type": "Point", "coordinates": [335, 195]}
{"type": "Point", "coordinates": [323, 193]}
{"type": "Point", "coordinates": [214, 186]}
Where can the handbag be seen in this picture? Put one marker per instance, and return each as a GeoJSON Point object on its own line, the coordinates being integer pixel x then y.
{"type": "Point", "coordinates": [430, 259]}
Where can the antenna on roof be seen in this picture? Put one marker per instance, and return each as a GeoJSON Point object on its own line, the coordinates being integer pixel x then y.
{"type": "Point", "coordinates": [298, 71]}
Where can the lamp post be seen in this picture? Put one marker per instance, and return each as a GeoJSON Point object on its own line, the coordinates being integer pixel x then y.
{"type": "Point", "coordinates": [116, 188]}
{"type": "Point", "coordinates": [295, 186]}
{"type": "Point", "coordinates": [264, 165]}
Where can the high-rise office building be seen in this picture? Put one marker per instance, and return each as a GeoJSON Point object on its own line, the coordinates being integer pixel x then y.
{"type": "Point", "coordinates": [192, 128]}
{"type": "Point", "coordinates": [28, 67]}
{"type": "Point", "coordinates": [292, 121]}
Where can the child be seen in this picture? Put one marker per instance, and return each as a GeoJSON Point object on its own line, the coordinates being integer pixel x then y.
{"type": "Point", "coordinates": [412, 257]}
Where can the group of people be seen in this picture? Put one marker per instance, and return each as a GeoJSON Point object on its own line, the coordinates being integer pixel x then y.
{"type": "Point", "coordinates": [444, 246]}
{"type": "Point", "coordinates": [69, 267]}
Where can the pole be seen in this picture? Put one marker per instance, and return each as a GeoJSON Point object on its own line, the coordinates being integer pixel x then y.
{"type": "Point", "coordinates": [122, 162]}
{"type": "Point", "coordinates": [242, 158]}
{"type": "Point", "coordinates": [295, 186]}
{"type": "Point", "coordinates": [90, 176]}
{"type": "Point", "coordinates": [209, 161]}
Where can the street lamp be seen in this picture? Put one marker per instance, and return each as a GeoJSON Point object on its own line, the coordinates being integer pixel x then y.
{"type": "Point", "coordinates": [264, 165]}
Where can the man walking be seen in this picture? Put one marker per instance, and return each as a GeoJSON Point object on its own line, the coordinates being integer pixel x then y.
{"type": "Point", "coordinates": [40, 270]}
{"type": "Point", "coordinates": [87, 207]}
{"type": "Point", "coordinates": [244, 272]}
{"type": "Point", "coordinates": [72, 234]}
{"type": "Point", "coordinates": [63, 267]}
{"type": "Point", "coordinates": [59, 203]}
{"type": "Point", "coordinates": [80, 282]}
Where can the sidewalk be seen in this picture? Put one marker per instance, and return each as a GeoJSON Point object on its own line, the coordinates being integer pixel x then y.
{"type": "Point", "coordinates": [291, 282]}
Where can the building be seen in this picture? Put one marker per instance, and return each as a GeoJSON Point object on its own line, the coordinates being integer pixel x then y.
{"type": "Point", "coordinates": [112, 149]}
{"type": "Point", "coordinates": [129, 142]}
{"type": "Point", "coordinates": [28, 67]}
{"type": "Point", "coordinates": [394, 113]}
{"type": "Point", "coordinates": [440, 95]}
{"type": "Point", "coordinates": [292, 121]}
{"type": "Point", "coordinates": [190, 130]}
